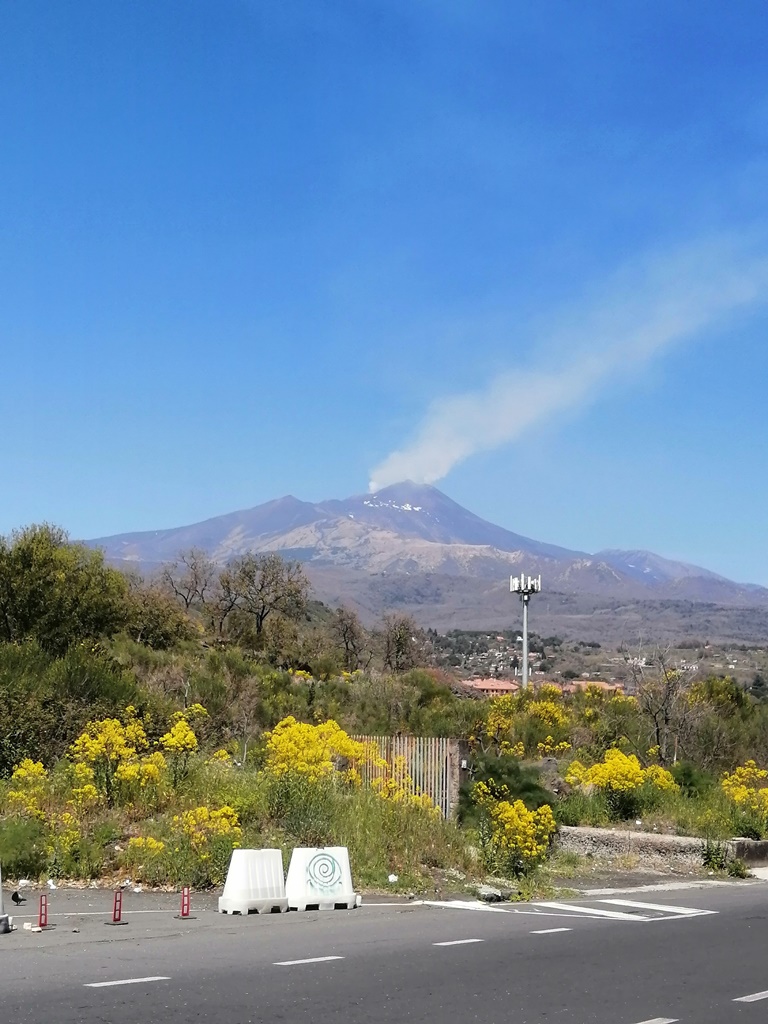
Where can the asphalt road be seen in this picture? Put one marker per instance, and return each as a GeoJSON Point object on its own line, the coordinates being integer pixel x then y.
{"type": "Point", "coordinates": [654, 956]}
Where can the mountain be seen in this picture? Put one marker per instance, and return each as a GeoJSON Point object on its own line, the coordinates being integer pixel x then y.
{"type": "Point", "coordinates": [411, 546]}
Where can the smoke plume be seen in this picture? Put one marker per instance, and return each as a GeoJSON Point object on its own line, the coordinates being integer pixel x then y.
{"type": "Point", "coordinates": [645, 310]}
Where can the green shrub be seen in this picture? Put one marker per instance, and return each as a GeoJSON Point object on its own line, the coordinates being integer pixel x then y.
{"type": "Point", "coordinates": [693, 782]}
{"type": "Point", "coordinates": [22, 847]}
{"type": "Point", "coordinates": [303, 808]}
{"type": "Point", "coordinates": [714, 855]}
{"type": "Point", "coordinates": [582, 809]}
{"type": "Point", "coordinates": [737, 868]}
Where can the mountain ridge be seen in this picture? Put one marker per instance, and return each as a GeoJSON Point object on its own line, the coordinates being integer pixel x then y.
{"type": "Point", "coordinates": [410, 532]}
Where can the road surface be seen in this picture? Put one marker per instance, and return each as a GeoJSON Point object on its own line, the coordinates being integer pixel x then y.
{"type": "Point", "coordinates": [693, 955]}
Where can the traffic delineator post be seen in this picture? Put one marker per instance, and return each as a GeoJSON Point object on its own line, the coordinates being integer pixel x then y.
{"type": "Point", "coordinates": [117, 909]}
{"type": "Point", "coordinates": [186, 905]}
{"type": "Point", "coordinates": [42, 914]}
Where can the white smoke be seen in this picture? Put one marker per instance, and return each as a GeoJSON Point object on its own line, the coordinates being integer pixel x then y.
{"type": "Point", "coordinates": [646, 309]}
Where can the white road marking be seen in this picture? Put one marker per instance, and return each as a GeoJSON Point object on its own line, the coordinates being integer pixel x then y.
{"type": "Point", "coordinates": [540, 913]}
{"type": "Point", "coordinates": [754, 998]}
{"type": "Point", "coordinates": [309, 960]}
{"type": "Point", "coordinates": [476, 905]}
{"type": "Point", "coordinates": [400, 903]}
{"type": "Point", "coordinates": [125, 981]}
{"type": "Point", "coordinates": [457, 942]}
{"type": "Point", "coordinates": [464, 905]}
{"type": "Point", "coordinates": [703, 883]}
{"type": "Point", "coordinates": [595, 912]}
{"type": "Point", "coordinates": [550, 931]}
{"type": "Point", "coordinates": [665, 907]}
{"type": "Point", "coordinates": [107, 912]}
{"type": "Point", "coordinates": [661, 1020]}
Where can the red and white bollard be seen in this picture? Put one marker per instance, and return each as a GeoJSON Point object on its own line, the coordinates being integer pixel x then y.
{"type": "Point", "coordinates": [186, 905]}
{"type": "Point", "coordinates": [117, 909]}
{"type": "Point", "coordinates": [42, 913]}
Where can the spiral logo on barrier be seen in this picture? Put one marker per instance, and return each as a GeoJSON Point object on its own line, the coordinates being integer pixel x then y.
{"type": "Point", "coordinates": [323, 872]}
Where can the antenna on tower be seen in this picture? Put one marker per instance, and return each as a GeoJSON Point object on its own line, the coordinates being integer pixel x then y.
{"type": "Point", "coordinates": [525, 586]}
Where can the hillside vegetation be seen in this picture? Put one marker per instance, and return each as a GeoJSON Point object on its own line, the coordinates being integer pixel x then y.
{"type": "Point", "coordinates": [147, 728]}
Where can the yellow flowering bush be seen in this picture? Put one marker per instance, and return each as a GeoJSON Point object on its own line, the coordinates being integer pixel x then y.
{"type": "Point", "coordinates": [495, 732]}
{"type": "Point", "coordinates": [63, 845]}
{"type": "Point", "coordinates": [621, 778]}
{"type": "Point", "coordinates": [396, 785]}
{"type": "Point", "coordinates": [141, 784]}
{"type": "Point", "coordinates": [143, 772]}
{"type": "Point", "coordinates": [201, 824]}
{"type": "Point", "coordinates": [146, 844]}
{"type": "Point", "coordinates": [106, 744]}
{"type": "Point", "coordinates": [27, 789]}
{"type": "Point", "coordinates": [513, 838]}
{"type": "Point", "coordinates": [180, 742]}
{"type": "Point", "coordinates": [548, 711]}
{"type": "Point", "coordinates": [85, 795]}
{"type": "Point", "coordinates": [144, 859]}
{"type": "Point", "coordinates": [747, 787]}
{"type": "Point", "coordinates": [180, 738]}
{"type": "Point", "coordinates": [548, 747]}
{"type": "Point", "coordinates": [520, 722]}
{"type": "Point", "coordinates": [220, 758]}
{"type": "Point", "coordinates": [660, 778]}
{"type": "Point", "coordinates": [313, 751]}
{"type": "Point", "coordinates": [744, 783]}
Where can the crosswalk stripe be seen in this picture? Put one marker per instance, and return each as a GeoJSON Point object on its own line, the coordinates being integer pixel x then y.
{"type": "Point", "coordinates": [665, 908]}
{"type": "Point", "coordinates": [754, 998]}
{"type": "Point", "coordinates": [594, 912]}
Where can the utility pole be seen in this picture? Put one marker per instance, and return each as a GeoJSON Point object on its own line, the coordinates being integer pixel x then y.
{"type": "Point", "coordinates": [525, 586]}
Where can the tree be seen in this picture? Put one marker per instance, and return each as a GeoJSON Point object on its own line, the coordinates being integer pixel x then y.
{"type": "Point", "coordinates": [154, 618]}
{"type": "Point", "coordinates": [190, 578]}
{"type": "Point", "coordinates": [663, 695]}
{"type": "Point", "coordinates": [56, 592]}
{"type": "Point", "coordinates": [402, 641]}
{"type": "Point", "coordinates": [349, 636]}
{"type": "Point", "coordinates": [267, 585]}
{"type": "Point", "coordinates": [224, 599]}
{"type": "Point", "coordinates": [245, 710]}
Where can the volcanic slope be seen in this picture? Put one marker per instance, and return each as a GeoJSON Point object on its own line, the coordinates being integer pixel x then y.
{"type": "Point", "coordinates": [411, 546]}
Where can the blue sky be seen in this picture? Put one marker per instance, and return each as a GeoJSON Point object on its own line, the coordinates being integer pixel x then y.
{"type": "Point", "coordinates": [257, 247]}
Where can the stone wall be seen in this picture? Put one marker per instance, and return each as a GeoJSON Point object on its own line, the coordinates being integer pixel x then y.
{"type": "Point", "coordinates": [683, 852]}
{"type": "Point", "coordinates": [608, 844]}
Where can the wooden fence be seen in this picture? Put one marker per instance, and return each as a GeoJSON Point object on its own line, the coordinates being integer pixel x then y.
{"type": "Point", "coordinates": [433, 764]}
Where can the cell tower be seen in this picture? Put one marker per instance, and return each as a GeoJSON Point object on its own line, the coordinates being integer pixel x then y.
{"type": "Point", "coordinates": [525, 586]}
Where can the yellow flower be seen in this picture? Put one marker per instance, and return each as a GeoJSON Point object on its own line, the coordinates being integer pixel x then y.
{"type": "Point", "coordinates": [312, 750]}
{"type": "Point", "coordinates": [221, 758]}
{"type": "Point", "coordinates": [515, 831]}
{"type": "Point", "coordinates": [619, 773]}
{"type": "Point", "coordinates": [549, 712]}
{"type": "Point", "coordinates": [28, 784]}
{"type": "Point", "coordinates": [146, 844]}
{"type": "Point", "coordinates": [745, 786]}
{"type": "Point", "coordinates": [180, 738]}
{"type": "Point", "coordinates": [201, 824]}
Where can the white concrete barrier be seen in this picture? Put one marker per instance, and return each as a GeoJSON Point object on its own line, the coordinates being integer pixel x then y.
{"type": "Point", "coordinates": [320, 879]}
{"type": "Point", "coordinates": [255, 883]}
